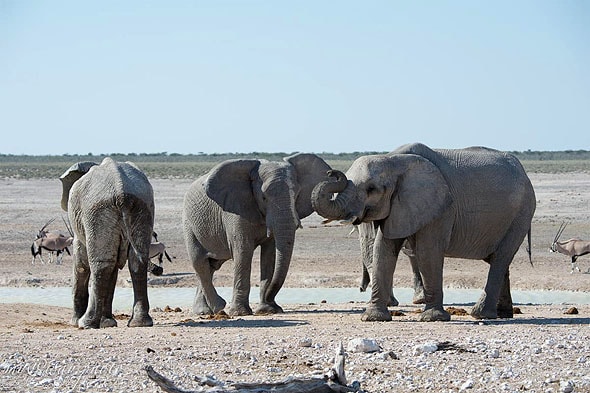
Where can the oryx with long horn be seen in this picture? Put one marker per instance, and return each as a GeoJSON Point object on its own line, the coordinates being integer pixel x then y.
{"type": "Point", "coordinates": [52, 241]}
{"type": "Point", "coordinates": [573, 248]}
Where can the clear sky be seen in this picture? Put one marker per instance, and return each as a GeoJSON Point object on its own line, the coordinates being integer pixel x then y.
{"type": "Point", "coordinates": [284, 76]}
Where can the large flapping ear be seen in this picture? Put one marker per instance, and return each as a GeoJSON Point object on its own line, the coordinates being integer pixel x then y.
{"type": "Point", "coordinates": [421, 195]}
{"type": "Point", "coordinates": [310, 170]}
{"type": "Point", "coordinates": [69, 177]}
{"type": "Point", "coordinates": [230, 184]}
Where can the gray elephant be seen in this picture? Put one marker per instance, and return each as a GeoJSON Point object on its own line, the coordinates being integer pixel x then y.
{"type": "Point", "coordinates": [111, 209]}
{"type": "Point", "coordinates": [367, 234]}
{"type": "Point", "coordinates": [473, 203]}
{"type": "Point", "coordinates": [242, 204]}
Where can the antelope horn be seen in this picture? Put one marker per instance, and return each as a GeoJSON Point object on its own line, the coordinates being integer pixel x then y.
{"type": "Point", "coordinates": [560, 231]}
{"type": "Point", "coordinates": [45, 226]}
{"type": "Point", "coordinates": [68, 226]}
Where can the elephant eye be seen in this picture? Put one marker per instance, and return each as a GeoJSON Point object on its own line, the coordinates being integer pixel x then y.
{"type": "Point", "coordinates": [371, 189]}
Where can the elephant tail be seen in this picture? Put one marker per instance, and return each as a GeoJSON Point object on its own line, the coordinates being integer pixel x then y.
{"type": "Point", "coordinates": [132, 239]}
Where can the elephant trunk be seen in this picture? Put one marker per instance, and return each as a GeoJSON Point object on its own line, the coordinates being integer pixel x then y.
{"type": "Point", "coordinates": [325, 205]}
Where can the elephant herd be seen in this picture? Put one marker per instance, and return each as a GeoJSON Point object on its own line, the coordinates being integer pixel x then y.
{"type": "Point", "coordinates": [473, 203]}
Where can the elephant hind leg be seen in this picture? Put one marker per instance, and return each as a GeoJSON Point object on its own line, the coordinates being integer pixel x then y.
{"type": "Point", "coordinates": [496, 300]}
{"type": "Point", "coordinates": [505, 306]}
{"type": "Point", "coordinates": [207, 301]}
{"type": "Point", "coordinates": [81, 276]}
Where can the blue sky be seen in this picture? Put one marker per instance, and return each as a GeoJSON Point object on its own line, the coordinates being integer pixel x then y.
{"type": "Point", "coordinates": [278, 76]}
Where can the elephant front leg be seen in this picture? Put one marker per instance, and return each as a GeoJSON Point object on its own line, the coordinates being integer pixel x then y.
{"type": "Point", "coordinates": [267, 305]}
{"type": "Point", "coordinates": [385, 254]}
{"type": "Point", "coordinates": [241, 291]}
{"type": "Point", "coordinates": [418, 297]}
{"type": "Point", "coordinates": [430, 260]}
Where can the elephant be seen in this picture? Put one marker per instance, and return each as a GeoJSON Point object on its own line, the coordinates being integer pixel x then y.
{"type": "Point", "coordinates": [111, 209]}
{"type": "Point", "coordinates": [473, 203]}
{"type": "Point", "coordinates": [242, 204]}
{"type": "Point", "coordinates": [367, 234]}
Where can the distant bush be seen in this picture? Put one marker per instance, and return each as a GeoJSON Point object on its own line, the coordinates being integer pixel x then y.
{"type": "Point", "coordinates": [191, 166]}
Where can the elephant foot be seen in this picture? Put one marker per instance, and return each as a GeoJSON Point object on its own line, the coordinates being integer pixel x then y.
{"type": "Point", "coordinates": [374, 314]}
{"type": "Point", "coordinates": [75, 319]}
{"type": "Point", "coordinates": [269, 308]}
{"type": "Point", "coordinates": [108, 322]}
{"type": "Point", "coordinates": [480, 311]}
{"type": "Point", "coordinates": [88, 323]}
{"type": "Point", "coordinates": [435, 314]}
{"type": "Point", "coordinates": [506, 312]}
{"type": "Point", "coordinates": [140, 320]}
{"type": "Point", "coordinates": [240, 310]}
{"type": "Point", "coordinates": [201, 307]}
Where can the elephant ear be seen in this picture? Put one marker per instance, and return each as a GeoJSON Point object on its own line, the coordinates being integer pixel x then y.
{"type": "Point", "coordinates": [70, 176]}
{"type": "Point", "coordinates": [421, 195]}
{"type": "Point", "coordinates": [310, 170]}
{"type": "Point", "coordinates": [231, 185]}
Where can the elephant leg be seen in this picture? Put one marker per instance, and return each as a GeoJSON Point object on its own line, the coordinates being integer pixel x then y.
{"type": "Point", "coordinates": [408, 249]}
{"type": "Point", "coordinates": [366, 279]}
{"type": "Point", "coordinates": [385, 254]}
{"type": "Point", "coordinates": [138, 269]}
{"type": "Point", "coordinates": [81, 275]}
{"type": "Point", "coordinates": [497, 283]}
{"type": "Point", "coordinates": [418, 284]}
{"type": "Point", "coordinates": [505, 306]}
{"type": "Point", "coordinates": [100, 277]}
{"type": "Point", "coordinates": [108, 319]}
{"type": "Point", "coordinates": [430, 261]}
{"type": "Point", "coordinates": [267, 305]}
{"type": "Point", "coordinates": [207, 301]}
{"type": "Point", "coordinates": [200, 304]}
{"type": "Point", "coordinates": [240, 303]}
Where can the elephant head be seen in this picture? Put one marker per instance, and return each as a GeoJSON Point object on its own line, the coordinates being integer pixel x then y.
{"type": "Point", "coordinates": [274, 194]}
{"type": "Point", "coordinates": [70, 176]}
{"type": "Point", "coordinates": [403, 192]}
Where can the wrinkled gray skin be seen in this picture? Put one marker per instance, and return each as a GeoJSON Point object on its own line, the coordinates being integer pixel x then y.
{"type": "Point", "coordinates": [240, 205]}
{"type": "Point", "coordinates": [367, 234]}
{"type": "Point", "coordinates": [111, 209]}
{"type": "Point", "coordinates": [473, 203]}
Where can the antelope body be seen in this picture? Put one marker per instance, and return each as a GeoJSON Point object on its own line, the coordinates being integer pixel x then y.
{"type": "Point", "coordinates": [54, 242]}
{"type": "Point", "coordinates": [157, 249]}
{"type": "Point", "coordinates": [573, 248]}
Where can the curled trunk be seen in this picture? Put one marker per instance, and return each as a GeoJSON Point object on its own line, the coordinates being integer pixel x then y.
{"type": "Point", "coordinates": [322, 196]}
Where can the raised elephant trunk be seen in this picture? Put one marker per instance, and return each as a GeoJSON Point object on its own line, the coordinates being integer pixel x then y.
{"type": "Point", "coordinates": [323, 202]}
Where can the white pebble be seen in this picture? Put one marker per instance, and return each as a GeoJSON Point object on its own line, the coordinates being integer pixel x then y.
{"type": "Point", "coordinates": [425, 348]}
{"type": "Point", "coordinates": [467, 384]}
{"type": "Point", "coordinates": [362, 345]}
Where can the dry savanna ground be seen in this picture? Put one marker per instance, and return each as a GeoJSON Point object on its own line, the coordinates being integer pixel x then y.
{"type": "Point", "coordinates": [541, 349]}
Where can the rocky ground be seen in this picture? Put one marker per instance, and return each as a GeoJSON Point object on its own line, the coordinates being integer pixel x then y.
{"type": "Point", "coordinates": [544, 349]}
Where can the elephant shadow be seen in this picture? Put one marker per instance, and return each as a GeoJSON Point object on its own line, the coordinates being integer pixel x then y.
{"type": "Point", "coordinates": [537, 321]}
{"type": "Point", "coordinates": [239, 323]}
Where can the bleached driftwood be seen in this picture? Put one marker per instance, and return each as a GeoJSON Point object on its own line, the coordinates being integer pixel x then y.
{"type": "Point", "coordinates": [335, 381]}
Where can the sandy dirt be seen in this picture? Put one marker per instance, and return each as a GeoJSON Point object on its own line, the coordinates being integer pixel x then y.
{"type": "Point", "coordinates": [543, 349]}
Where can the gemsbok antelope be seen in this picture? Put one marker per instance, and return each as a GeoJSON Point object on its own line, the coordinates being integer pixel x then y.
{"type": "Point", "coordinates": [52, 241]}
{"type": "Point", "coordinates": [573, 248]}
{"type": "Point", "coordinates": [157, 249]}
